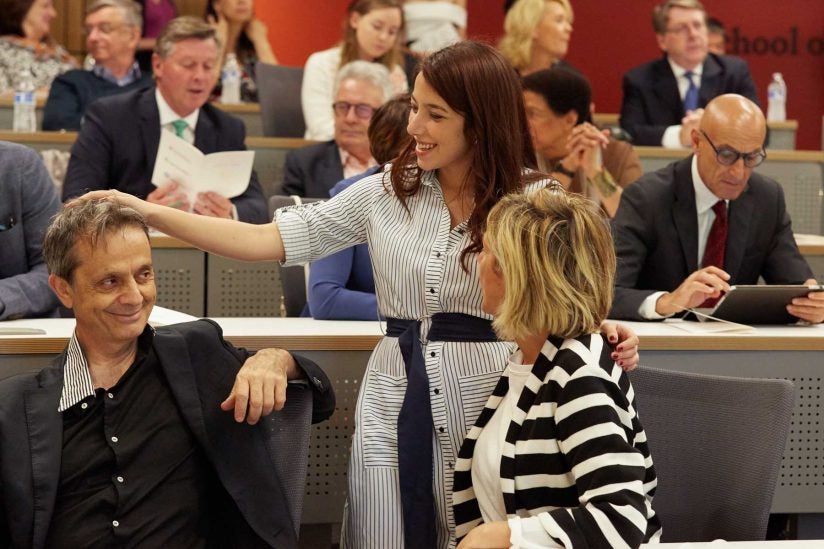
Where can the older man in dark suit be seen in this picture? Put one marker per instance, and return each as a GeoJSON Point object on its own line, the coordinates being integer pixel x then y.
{"type": "Point", "coordinates": [687, 232]}
{"type": "Point", "coordinates": [664, 99]}
{"type": "Point", "coordinates": [118, 143]}
{"type": "Point", "coordinates": [312, 171]}
{"type": "Point", "coordinates": [27, 202]}
{"type": "Point", "coordinates": [126, 439]}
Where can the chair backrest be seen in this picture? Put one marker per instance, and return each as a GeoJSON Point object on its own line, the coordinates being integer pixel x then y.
{"type": "Point", "coordinates": [287, 439]}
{"type": "Point", "coordinates": [279, 97]}
{"type": "Point", "coordinates": [293, 280]}
{"type": "Point", "coordinates": [716, 443]}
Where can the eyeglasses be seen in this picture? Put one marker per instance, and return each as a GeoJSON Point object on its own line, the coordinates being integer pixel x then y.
{"type": "Point", "coordinates": [727, 156]}
{"type": "Point", "coordinates": [362, 110]}
{"type": "Point", "coordinates": [685, 28]}
{"type": "Point", "coordinates": [103, 28]}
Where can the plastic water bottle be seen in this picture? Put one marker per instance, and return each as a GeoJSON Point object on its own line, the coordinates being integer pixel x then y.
{"type": "Point", "coordinates": [25, 119]}
{"type": "Point", "coordinates": [230, 80]}
{"type": "Point", "coordinates": [777, 99]}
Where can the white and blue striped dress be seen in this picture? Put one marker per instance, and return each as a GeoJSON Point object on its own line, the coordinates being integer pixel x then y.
{"type": "Point", "coordinates": [417, 268]}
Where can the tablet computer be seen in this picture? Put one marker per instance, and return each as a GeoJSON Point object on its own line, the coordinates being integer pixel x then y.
{"type": "Point", "coordinates": [760, 304]}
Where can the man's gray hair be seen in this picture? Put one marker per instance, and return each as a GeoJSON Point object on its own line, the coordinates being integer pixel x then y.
{"type": "Point", "coordinates": [371, 73]}
{"type": "Point", "coordinates": [131, 11]}
{"type": "Point", "coordinates": [86, 220]}
{"type": "Point", "coordinates": [184, 28]}
{"type": "Point", "coordinates": [660, 13]}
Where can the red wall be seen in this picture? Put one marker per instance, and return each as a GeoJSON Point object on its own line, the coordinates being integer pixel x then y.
{"type": "Point", "coordinates": [611, 37]}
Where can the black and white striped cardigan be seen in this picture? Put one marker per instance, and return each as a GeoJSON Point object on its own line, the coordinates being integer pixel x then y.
{"type": "Point", "coordinates": [575, 453]}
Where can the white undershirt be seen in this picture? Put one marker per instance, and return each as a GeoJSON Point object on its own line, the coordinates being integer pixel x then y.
{"type": "Point", "coordinates": [486, 463]}
{"type": "Point", "coordinates": [671, 138]}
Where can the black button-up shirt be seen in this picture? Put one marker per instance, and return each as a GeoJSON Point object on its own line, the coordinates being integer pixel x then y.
{"type": "Point", "coordinates": [132, 473]}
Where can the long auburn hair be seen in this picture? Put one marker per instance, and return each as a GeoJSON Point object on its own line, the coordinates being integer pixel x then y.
{"type": "Point", "coordinates": [478, 83]}
{"type": "Point", "coordinates": [349, 46]}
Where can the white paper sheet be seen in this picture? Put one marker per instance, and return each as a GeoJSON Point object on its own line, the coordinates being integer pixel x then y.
{"type": "Point", "coordinates": [226, 173]}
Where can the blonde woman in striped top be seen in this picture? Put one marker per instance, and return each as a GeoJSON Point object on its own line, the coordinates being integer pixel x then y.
{"type": "Point", "coordinates": [558, 456]}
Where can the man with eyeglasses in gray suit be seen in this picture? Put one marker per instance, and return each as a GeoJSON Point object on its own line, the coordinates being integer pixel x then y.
{"type": "Point", "coordinates": [361, 87]}
{"type": "Point", "coordinates": [687, 232]}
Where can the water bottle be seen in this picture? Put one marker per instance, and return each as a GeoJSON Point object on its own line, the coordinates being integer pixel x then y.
{"type": "Point", "coordinates": [25, 119]}
{"type": "Point", "coordinates": [777, 99]}
{"type": "Point", "coordinates": [230, 80]}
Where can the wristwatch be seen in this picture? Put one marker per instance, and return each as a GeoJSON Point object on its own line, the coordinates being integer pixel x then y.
{"type": "Point", "coordinates": [561, 169]}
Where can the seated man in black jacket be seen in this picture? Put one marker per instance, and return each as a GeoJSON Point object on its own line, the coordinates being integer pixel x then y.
{"type": "Point", "coordinates": [361, 87]}
{"type": "Point", "coordinates": [126, 439]}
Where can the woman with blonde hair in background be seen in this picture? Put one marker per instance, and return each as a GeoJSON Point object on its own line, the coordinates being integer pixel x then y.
{"type": "Point", "coordinates": [537, 34]}
{"type": "Point", "coordinates": [372, 32]}
{"type": "Point", "coordinates": [558, 457]}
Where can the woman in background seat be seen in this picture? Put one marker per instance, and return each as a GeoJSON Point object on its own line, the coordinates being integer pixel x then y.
{"type": "Point", "coordinates": [25, 44]}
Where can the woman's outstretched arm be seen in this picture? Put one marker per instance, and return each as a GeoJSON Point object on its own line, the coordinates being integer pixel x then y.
{"type": "Point", "coordinates": [226, 237]}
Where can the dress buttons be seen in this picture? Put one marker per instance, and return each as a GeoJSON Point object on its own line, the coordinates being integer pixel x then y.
{"type": "Point", "coordinates": [120, 480]}
{"type": "Point", "coordinates": [432, 354]}
{"type": "Point", "coordinates": [431, 290]}
{"type": "Point", "coordinates": [441, 429]}
{"type": "Point", "coordinates": [115, 523]}
{"type": "Point", "coordinates": [109, 395]}
{"type": "Point", "coordinates": [114, 439]}
{"type": "Point", "coordinates": [437, 391]}
{"type": "Point", "coordinates": [438, 254]}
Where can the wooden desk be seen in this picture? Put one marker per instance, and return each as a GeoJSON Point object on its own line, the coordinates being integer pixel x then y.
{"type": "Point", "coordinates": [782, 134]}
{"type": "Point", "coordinates": [343, 348]}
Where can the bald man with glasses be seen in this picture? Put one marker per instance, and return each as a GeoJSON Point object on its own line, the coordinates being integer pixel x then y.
{"type": "Point", "coordinates": [312, 171]}
{"type": "Point", "coordinates": [687, 232]}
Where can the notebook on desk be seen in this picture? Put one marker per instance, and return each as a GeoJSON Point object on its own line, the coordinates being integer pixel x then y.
{"type": "Point", "coordinates": [758, 304]}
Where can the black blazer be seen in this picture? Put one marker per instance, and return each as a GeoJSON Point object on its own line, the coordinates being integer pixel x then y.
{"type": "Point", "coordinates": [656, 237]}
{"type": "Point", "coordinates": [312, 171]}
{"type": "Point", "coordinates": [652, 103]}
{"type": "Point", "coordinates": [200, 368]}
{"type": "Point", "coordinates": [117, 146]}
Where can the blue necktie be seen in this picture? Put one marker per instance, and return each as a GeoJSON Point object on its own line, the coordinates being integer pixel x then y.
{"type": "Point", "coordinates": [691, 98]}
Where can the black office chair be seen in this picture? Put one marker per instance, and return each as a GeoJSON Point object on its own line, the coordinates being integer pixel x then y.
{"type": "Point", "coordinates": [293, 280]}
{"type": "Point", "coordinates": [287, 439]}
{"type": "Point", "coordinates": [717, 444]}
{"type": "Point", "coordinates": [279, 97]}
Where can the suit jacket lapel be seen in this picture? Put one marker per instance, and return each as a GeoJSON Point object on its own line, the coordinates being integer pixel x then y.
{"type": "Point", "coordinates": [666, 89]}
{"type": "Point", "coordinates": [740, 219]}
{"type": "Point", "coordinates": [205, 133]}
{"type": "Point", "coordinates": [684, 213]}
{"type": "Point", "coordinates": [173, 356]}
{"type": "Point", "coordinates": [45, 428]}
{"type": "Point", "coordinates": [149, 127]}
{"type": "Point", "coordinates": [711, 85]}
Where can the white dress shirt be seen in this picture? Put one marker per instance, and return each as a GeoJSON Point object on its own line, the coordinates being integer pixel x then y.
{"type": "Point", "coordinates": [704, 201]}
{"type": "Point", "coordinates": [671, 138]}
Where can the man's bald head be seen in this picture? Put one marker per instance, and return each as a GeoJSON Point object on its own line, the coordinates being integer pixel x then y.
{"type": "Point", "coordinates": [730, 122]}
{"type": "Point", "coordinates": [736, 114]}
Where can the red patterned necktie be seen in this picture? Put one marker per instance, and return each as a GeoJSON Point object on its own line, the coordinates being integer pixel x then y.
{"type": "Point", "coordinates": [716, 244]}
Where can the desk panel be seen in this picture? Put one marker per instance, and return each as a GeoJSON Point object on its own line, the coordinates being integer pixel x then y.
{"type": "Point", "coordinates": [342, 348]}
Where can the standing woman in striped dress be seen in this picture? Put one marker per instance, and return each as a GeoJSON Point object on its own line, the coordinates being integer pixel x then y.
{"type": "Point", "coordinates": [426, 382]}
{"type": "Point", "coordinates": [558, 457]}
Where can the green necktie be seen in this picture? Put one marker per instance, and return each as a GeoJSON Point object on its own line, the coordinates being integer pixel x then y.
{"type": "Point", "coordinates": [179, 125]}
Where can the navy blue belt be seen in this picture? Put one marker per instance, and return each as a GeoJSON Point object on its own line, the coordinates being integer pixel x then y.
{"type": "Point", "coordinates": [415, 425]}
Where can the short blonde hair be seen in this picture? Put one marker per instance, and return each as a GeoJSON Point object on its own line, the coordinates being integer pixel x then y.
{"type": "Point", "coordinates": [184, 28]}
{"type": "Point", "coordinates": [519, 25]}
{"type": "Point", "coordinates": [555, 252]}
